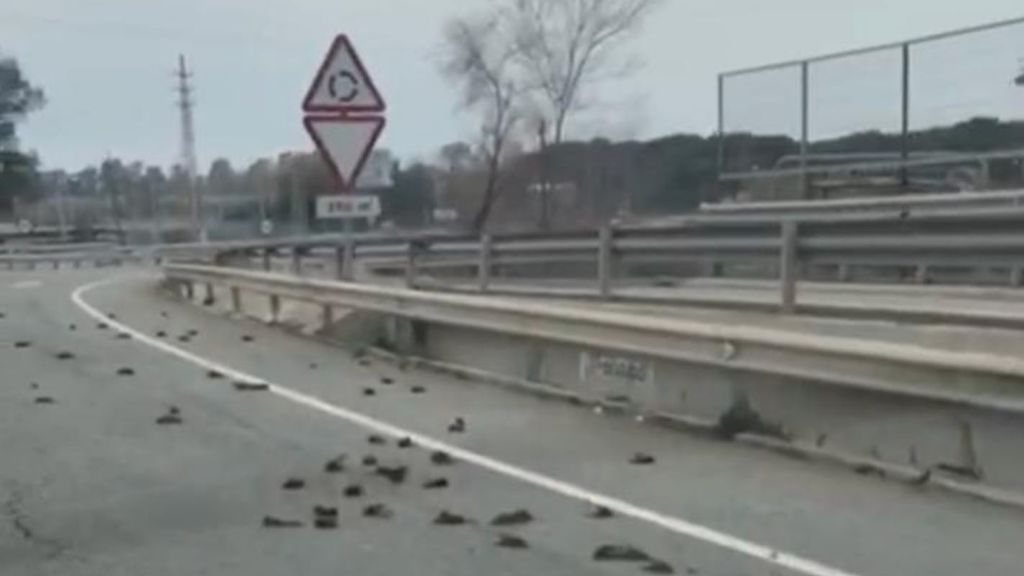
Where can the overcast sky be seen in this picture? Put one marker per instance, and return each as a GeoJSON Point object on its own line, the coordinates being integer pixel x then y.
{"type": "Point", "coordinates": [106, 66]}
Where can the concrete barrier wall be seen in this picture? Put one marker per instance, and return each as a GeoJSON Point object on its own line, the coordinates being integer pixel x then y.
{"type": "Point", "coordinates": [892, 429]}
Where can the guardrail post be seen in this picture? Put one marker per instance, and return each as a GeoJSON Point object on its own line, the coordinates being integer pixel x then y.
{"type": "Point", "coordinates": [605, 265]}
{"type": "Point", "coordinates": [208, 298]}
{"type": "Point", "coordinates": [189, 290]}
{"type": "Point", "coordinates": [275, 308]}
{"type": "Point", "coordinates": [326, 317]}
{"type": "Point", "coordinates": [1016, 276]}
{"type": "Point", "coordinates": [483, 271]}
{"type": "Point", "coordinates": [788, 266]}
{"type": "Point", "coordinates": [843, 275]}
{"type": "Point", "coordinates": [267, 253]}
{"type": "Point", "coordinates": [921, 274]}
{"type": "Point", "coordinates": [348, 271]}
{"type": "Point", "coordinates": [236, 299]}
{"type": "Point", "coordinates": [296, 265]}
{"type": "Point", "coordinates": [410, 264]}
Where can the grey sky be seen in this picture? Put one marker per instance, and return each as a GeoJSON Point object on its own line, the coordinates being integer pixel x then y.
{"type": "Point", "coordinates": [106, 66]}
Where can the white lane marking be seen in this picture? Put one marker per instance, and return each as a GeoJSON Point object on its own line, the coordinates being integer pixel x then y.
{"type": "Point", "coordinates": [25, 284]}
{"type": "Point", "coordinates": [672, 523]}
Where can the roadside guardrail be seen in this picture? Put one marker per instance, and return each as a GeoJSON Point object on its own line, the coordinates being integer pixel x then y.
{"type": "Point", "coordinates": [965, 378]}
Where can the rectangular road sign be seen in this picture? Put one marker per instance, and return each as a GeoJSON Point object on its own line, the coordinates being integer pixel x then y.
{"type": "Point", "coordinates": [342, 207]}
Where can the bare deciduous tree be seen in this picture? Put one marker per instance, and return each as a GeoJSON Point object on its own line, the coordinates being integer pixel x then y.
{"type": "Point", "coordinates": [561, 45]}
{"type": "Point", "coordinates": [481, 59]}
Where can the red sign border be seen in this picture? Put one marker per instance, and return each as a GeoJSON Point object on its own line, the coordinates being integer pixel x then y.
{"type": "Point", "coordinates": [341, 41]}
{"type": "Point", "coordinates": [346, 186]}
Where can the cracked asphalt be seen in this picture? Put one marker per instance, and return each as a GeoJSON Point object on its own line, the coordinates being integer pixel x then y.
{"type": "Point", "coordinates": [92, 484]}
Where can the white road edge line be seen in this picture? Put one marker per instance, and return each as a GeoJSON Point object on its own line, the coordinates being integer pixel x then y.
{"type": "Point", "coordinates": [671, 523]}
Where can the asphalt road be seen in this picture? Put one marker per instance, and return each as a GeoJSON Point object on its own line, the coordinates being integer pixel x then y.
{"type": "Point", "coordinates": [92, 485]}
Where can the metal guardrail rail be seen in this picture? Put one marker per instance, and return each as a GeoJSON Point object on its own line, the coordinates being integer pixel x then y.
{"type": "Point", "coordinates": [986, 239]}
{"type": "Point", "coordinates": [967, 378]}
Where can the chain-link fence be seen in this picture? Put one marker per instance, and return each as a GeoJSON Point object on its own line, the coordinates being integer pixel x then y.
{"type": "Point", "coordinates": [945, 112]}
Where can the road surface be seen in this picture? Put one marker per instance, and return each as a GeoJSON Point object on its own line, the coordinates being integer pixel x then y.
{"type": "Point", "coordinates": [92, 485]}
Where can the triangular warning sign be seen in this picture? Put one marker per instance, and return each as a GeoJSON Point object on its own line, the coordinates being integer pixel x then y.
{"type": "Point", "coordinates": [344, 143]}
{"type": "Point", "coordinates": [342, 83]}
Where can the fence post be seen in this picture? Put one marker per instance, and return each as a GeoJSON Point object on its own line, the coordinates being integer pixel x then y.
{"type": "Point", "coordinates": [484, 265]}
{"type": "Point", "coordinates": [1016, 276]}
{"type": "Point", "coordinates": [208, 298]}
{"type": "Point", "coordinates": [605, 266]}
{"type": "Point", "coordinates": [788, 266]}
{"type": "Point", "coordinates": [296, 265]}
{"type": "Point", "coordinates": [905, 117]}
{"type": "Point", "coordinates": [844, 273]}
{"type": "Point", "coordinates": [267, 253]}
{"type": "Point", "coordinates": [804, 129]}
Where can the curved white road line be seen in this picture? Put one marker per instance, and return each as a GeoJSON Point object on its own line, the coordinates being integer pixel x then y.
{"type": "Point", "coordinates": [674, 524]}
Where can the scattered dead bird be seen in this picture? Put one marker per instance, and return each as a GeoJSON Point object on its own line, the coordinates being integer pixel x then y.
{"type": "Point", "coordinates": [172, 409]}
{"type": "Point", "coordinates": [511, 541]}
{"type": "Point", "coordinates": [247, 338]}
{"type": "Point", "coordinates": [111, 316]}
{"type": "Point", "coordinates": [513, 518]}
{"type": "Point", "coordinates": [34, 385]}
{"type": "Point", "coordinates": [313, 366]}
{"type": "Point", "coordinates": [369, 460]}
{"type": "Point", "coordinates": [417, 389]}
{"type": "Point", "coordinates": [273, 522]}
{"type": "Point", "coordinates": [192, 332]}
{"type": "Point", "coordinates": [435, 484]}
{"type": "Point", "coordinates": [641, 459]}
{"type": "Point", "coordinates": [377, 511]}
{"type": "Point", "coordinates": [292, 484]}
{"type": "Point", "coordinates": [161, 334]}
{"type": "Point", "coordinates": [45, 400]}
{"type": "Point", "coordinates": [22, 344]}
{"type": "Point", "coordinates": [125, 371]}
{"type": "Point", "coordinates": [353, 491]}
{"type": "Point", "coordinates": [169, 419]}
{"type": "Point", "coordinates": [619, 553]}
{"type": "Point", "coordinates": [600, 512]}
{"type": "Point", "coordinates": [65, 355]}
{"type": "Point", "coordinates": [404, 442]}
{"type": "Point", "coordinates": [101, 325]}
{"type": "Point", "coordinates": [369, 392]}
{"type": "Point", "coordinates": [335, 465]}
{"type": "Point", "coordinates": [124, 336]}
{"type": "Point", "coordinates": [72, 327]}
{"type": "Point", "coordinates": [386, 381]}
{"type": "Point", "coordinates": [446, 518]}
{"type": "Point", "coordinates": [658, 567]}
{"type": "Point", "coordinates": [440, 458]}
{"type": "Point", "coordinates": [251, 386]}
{"type": "Point", "coordinates": [163, 314]}
{"type": "Point", "coordinates": [396, 474]}
{"type": "Point", "coordinates": [325, 511]}
{"type": "Point", "coordinates": [325, 523]}
{"type": "Point", "coordinates": [376, 439]}
{"type": "Point", "coordinates": [184, 339]}
{"type": "Point", "coordinates": [214, 374]}
{"type": "Point", "coordinates": [457, 426]}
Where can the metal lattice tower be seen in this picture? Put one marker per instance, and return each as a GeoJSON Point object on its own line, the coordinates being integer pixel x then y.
{"type": "Point", "coordinates": [188, 142]}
